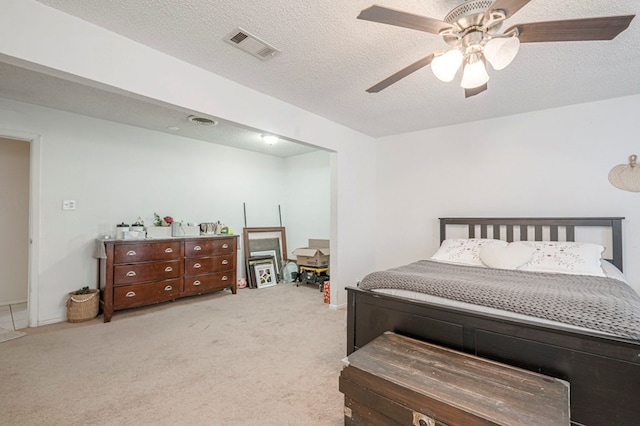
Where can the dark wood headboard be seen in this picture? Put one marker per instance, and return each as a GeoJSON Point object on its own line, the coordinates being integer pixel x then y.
{"type": "Point", "coordinates": [555, 225]}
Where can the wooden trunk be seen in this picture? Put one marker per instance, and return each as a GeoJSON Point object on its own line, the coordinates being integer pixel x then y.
{"type": "Point", "coordinates": [395, 380]}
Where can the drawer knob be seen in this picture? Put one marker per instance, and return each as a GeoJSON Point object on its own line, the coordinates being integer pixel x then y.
{"type": "Point", "coordinates": [168, 250]}
{"type": "Point", "coordinates": [168, 288]}
{"type": "Point", "coordinates": [225, 262]}
{"type": "Point", "coordinates": [225, 245]}
{"type": "Point", "coordinates": [131, 253]}
{"type": "Point", "coordinates": [131, 294]}
{"type": "Point", "coordinates": [168, 269]}
{"type": "Point", "coordinates": [225, 278]}
{"type": "Point", "coordinates": [131, 274]}
{"type": "Point", "coordinates": [197, 265]}
{"type": "Point", "coordinates": [197, 282]}
{"type": "Point", "coordinates": [197, 248]}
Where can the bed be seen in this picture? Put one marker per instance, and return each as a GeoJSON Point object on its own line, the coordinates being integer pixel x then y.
{"type": "Point", "coordinates": [602, 367]}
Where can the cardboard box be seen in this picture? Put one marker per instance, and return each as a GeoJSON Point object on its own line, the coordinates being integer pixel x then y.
{"type": "Point", "coordinates": [316, 254]}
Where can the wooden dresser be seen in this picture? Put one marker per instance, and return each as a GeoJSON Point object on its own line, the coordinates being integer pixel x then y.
{"type": "Point", "coordinates": [143, 272]}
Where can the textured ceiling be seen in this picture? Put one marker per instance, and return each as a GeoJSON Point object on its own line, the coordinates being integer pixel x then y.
{"type": "Point", "coordinates": [329, 57]}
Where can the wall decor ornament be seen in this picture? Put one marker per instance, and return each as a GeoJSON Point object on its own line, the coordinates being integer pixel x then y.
{"type": "Point", "coordinates": [265, 275]}
{"type": "Point", "coordinates": [261, 239]}
{"type": "Point", "coordinates": [276, 257]}
{"type": "Point", "coordinates": [626, 176]}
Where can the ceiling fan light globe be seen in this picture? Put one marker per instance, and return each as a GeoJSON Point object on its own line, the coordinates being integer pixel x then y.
{"type": "Point", "coordinates": [474, 75]}
{"type": "Point", "coordinates": [446, 66]}
{"type": "Point", "coordinates": [500, 52]}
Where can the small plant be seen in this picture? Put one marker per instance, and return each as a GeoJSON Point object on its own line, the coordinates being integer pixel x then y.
{"type": "Point", "coordinates": [83, 290]}
{"type": "Point", "coordinates": [162, 221]}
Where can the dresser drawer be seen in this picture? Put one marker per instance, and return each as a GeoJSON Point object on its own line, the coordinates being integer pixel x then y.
{"type": "Point", "coordinates": [209, 247]}
{"type": "Point", "coordinates": [208, 282]}
{"type": "Point", "coordinates": [203, 265]}
{"type": "Point", "coordinates": [144, 294]}
{"type": "Point", "coordinates": [141, 272]}
{"type": "Point", "coordinates": [144, 252]}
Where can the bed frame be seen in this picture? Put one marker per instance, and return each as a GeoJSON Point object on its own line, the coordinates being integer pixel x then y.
{"type": "Point", "coordinates": [604, 372]}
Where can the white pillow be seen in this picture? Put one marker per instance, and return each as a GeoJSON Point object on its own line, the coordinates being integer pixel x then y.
{"type": "Point", "coordinates": [611, 271]}
{"type": "Point", "coordinates": [512, 256]}
{"type": "Point", "coordinates": [564, 257]}
{"type": "Point", "coordinates": [465, 251]}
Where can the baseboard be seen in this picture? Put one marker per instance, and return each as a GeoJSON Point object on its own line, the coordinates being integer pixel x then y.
{"type": "Point", "coordinates": [13, 302]}
{"type": "Point", "coordinates": [51, 321]}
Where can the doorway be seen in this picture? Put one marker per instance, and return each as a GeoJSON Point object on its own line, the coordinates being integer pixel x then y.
{"type": "Point", "coordinates": [14, 244]}
{"type": "Point", "coordinates": [19, 171]}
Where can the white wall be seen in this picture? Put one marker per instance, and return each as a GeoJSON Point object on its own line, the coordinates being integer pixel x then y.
{"type": "Point", "coordinates": [14, 208]}
{"type": "Point", "coordinates": [308, 198]}
{"type": "Point", "coordinates": [547, 163]}
{"type": "Point", "coordinates": [117, 173]}
{"type": "Point", "coordinates": [45, 40]}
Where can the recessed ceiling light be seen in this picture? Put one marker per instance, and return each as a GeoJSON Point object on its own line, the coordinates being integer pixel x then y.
{"type": "Point", "coordinates": [201, 120]}
{"type": "Point", "coordinates": [270, 139]}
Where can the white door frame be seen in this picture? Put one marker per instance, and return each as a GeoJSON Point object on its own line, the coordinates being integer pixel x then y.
{"type": "Point", "coordinates": [34, 218]}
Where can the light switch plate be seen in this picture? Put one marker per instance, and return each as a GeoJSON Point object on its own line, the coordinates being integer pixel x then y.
{"type": "Point", "coordinates": [68, 204]}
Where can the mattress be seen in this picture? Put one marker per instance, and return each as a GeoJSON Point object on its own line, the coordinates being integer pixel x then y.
{"type": "Point", "coordinates": [609, 270]}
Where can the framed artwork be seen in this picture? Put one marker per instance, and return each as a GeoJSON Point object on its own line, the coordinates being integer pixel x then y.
{"type": "Point", "coordinates": [265, 274]}
{"type": "Point", "coordinates": [265, 239]}
{"type": "Point", "coordinates": [251, 263]}
{"type": "Point", "coordinates": [274, 253]}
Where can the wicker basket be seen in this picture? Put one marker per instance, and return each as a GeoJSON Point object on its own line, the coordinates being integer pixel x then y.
{"type": "Point", "coordinates": [83, 307]}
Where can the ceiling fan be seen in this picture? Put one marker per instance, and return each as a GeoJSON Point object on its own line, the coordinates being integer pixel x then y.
{"type": "Point", "coordinates": [473, 30]}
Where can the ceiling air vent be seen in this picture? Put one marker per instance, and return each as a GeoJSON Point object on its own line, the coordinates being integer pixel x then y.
{"type": "Point", "coordinates": [251, 44]}
{"type": "Point", "coordinates": [203, 121]}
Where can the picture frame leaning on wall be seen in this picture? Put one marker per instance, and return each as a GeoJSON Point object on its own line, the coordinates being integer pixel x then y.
{"type": "Point", "coordinates": [261, 239]}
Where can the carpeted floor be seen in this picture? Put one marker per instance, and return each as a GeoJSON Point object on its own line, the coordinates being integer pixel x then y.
{"type": "Point", "coordinates": [268, 356]}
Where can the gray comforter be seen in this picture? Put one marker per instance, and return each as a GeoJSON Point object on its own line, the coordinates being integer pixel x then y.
{"type": "Point", "coordinates": [602, 304]}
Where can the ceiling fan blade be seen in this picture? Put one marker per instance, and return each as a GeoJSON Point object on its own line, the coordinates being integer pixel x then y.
{"type": "Point", "coordinates": [398, 18]}
{"type": "Point", "coordinates": [510, 7]}
{"type": "Point", "coordinates": [401, 74]}
{"type": "Point", "coordinates": [602, 28]}
{"type": "Point", "coordinates": [475, 91]}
